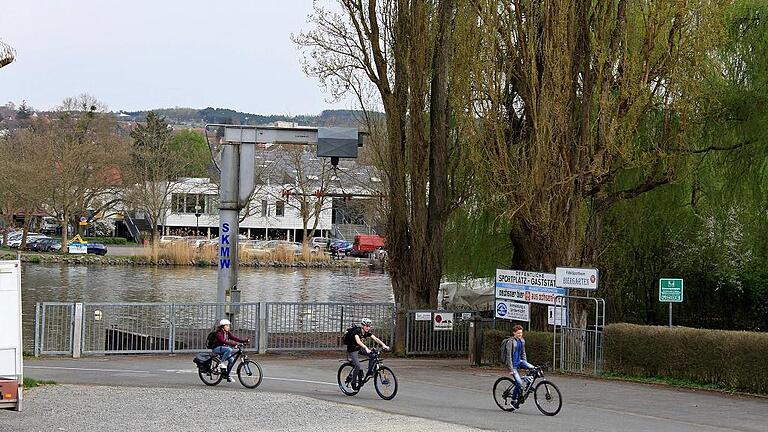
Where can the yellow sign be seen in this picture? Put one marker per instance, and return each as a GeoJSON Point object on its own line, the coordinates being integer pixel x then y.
{"type": "Point", "coordinates": [78, 239]}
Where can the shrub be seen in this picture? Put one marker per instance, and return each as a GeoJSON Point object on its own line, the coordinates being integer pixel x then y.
{"type": "Point", "coordinates": [538, 346]}
{"type": "Point", "coordinates": [107, 240]}
{"type": "Point", "coordinates": [730, 359]}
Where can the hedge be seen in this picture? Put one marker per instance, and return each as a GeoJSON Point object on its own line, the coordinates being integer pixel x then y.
{"type": "Point", "coordinates": [733, 360]}
{"type": "Point", "coordinates": [107, 240]}
{"type": "Point", "coordinates": [538, 346]}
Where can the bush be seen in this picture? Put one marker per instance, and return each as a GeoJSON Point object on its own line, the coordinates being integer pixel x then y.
{"type": "Point", "coordinates": [107, 240]}
{"type": "Point", "coordinates": [538, 346]}
{"type": "Point", "coordinates": [734, 360]}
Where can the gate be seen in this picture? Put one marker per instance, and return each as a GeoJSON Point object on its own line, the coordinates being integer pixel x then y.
{"type": "Point", "coordinates": [579, 350]}
{"type": "Point", "coordinates": [53, 328]}
{"type": "Point", "coordinates": [320, 326]}
{"type": "Point", "coordinates": [421, 338]}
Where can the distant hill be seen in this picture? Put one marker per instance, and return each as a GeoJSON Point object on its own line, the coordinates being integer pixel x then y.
{"type": "Point", "coordinates": [191, 116]}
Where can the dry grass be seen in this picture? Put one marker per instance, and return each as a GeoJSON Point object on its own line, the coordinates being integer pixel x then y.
{"type": "Point", "coordinates": [182, 253]}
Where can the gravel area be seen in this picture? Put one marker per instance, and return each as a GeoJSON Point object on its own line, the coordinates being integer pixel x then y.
{"type": "Point", "coordinates": [98, 408]}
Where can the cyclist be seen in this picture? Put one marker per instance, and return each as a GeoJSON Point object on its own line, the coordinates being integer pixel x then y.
{"type": "Point", "coordinates": [358, 347]}
{"type": "Point", "coordinates": [224, 340]}
{"type": "Point", "coordinates": [516, 358]}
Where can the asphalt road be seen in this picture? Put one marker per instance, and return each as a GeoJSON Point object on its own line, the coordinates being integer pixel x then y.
{"type": "Point", "coordinates": [444, 390]}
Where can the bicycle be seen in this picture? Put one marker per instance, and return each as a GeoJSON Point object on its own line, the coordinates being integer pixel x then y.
{"type": "Point", "coordinates": [545, 393]}
{"type": "Point", "coordinates": [248, 371]}
{"type": "Point", "coordinates": [384, 379]}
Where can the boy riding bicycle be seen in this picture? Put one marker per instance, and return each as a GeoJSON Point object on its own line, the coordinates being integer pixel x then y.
{"type": "Point", "coordinates": [356, 347]}
{"type": "Point", "coordinates": [516, 358]}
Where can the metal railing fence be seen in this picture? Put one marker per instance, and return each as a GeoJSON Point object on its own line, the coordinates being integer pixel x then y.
{"type": "Point", "coordinates": [421, 338]}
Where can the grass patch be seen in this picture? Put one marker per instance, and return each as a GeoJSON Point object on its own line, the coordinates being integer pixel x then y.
{"type": "Point", "coordinates": [32, 383]}
{"type": "Point", "coordinates": [674, 382]}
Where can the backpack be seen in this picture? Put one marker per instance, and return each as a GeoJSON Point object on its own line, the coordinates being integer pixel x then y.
{"type": "Point", "coordinates": [210, 340]}
{"type": "Point", "coordinates": [349, 336]}
{"type": "Point", "coordinates": [504, 351]}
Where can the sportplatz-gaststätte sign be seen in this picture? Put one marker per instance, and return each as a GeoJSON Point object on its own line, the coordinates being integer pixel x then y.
{"type": "Point", "coordinates": [531, 287]}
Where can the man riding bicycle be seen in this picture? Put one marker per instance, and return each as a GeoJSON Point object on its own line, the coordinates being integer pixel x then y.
{"type": "Point", "coordinates": [516, 358]}
{"type": "Point", "coordinates": [224, 340]}
{"type": "Point", "coordinates": [356, 347]}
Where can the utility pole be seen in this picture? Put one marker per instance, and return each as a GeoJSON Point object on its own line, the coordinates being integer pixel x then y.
{"type": "Point", "coordinates": [238, 155]}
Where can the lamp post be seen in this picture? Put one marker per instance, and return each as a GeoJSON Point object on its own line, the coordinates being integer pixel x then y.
{"type": "Point", "coordinates": [197, 219]}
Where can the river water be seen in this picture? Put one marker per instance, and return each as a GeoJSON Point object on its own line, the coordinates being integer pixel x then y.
{"type": "Point", "coordinates": [124, 284]}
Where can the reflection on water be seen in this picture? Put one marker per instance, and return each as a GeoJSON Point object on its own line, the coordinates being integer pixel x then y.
{"type": "Point", "coordinates": [121, 284]}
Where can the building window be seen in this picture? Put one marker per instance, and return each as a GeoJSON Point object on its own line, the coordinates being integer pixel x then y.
{"type": "Point", "coordinates": [264, 208]}
{"type": "Point", "coordinates": [186, 203]}
{"type": "Point", "coordinates": [280, 208]}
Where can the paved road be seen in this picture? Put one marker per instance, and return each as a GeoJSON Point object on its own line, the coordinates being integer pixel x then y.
{"type": "Point", "coordinates": [444, 390]}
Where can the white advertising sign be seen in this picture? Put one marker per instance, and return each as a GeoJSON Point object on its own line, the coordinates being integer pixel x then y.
{"type": "Point", "coordinates": [443, 321]}
{"type": "Point", "coordinates": [513, 311]}
{"type": "Point", "coordinates": [557, 315]}
{"type": "Point", "coordinates": [423, 316]}
{"type": "Point", "coordinates": [577, 278]}
{"type": "Point", "coordinates": [526, 286]}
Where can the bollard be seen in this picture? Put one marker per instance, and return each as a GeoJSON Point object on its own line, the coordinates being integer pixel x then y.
{"type": "Point", "coordinates": [475, 341]}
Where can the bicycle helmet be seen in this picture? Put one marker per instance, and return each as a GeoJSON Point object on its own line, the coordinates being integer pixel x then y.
{"type": "Point", "coordinates": [366, 322]}
{"type": "Point", "coordinates": [224, 322]}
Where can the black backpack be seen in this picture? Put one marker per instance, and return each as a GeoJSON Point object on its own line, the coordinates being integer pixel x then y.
{"type": "Point", "coordinates": [349, 336]}
{"type": "Point", "coordinates": [211, 339]}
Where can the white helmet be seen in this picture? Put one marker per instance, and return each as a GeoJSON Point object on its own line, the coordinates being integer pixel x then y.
{"type": "Point", "coordinates": [224, 322]}
{"type": "Point", "coordinates": [366, 322]}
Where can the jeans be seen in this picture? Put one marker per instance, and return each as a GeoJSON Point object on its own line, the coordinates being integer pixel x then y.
{"type": "Point", "coordinates": [516, 375]}
{"type": "Point", "coordinates": [355, 357]}
{"type": "Point", "coordinates": [225, 353]}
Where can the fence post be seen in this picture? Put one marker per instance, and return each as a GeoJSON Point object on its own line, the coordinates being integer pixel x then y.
{"type": "Point", "coordinates": [262, 327]}
{"type": "Point", "coordinates": [77, 331]}
{"type": "Point", "coordinates": [172, 330]}
{"type": "Point", "coordinates": [475, 341]}
{"type": "Point", "coordinates": [37, 330]}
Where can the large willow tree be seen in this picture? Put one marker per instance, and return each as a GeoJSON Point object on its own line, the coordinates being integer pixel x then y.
{"type": "Point", "coordinates": [573, 96]}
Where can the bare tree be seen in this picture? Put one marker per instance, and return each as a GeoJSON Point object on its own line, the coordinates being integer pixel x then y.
{"type": "Point", "coordinates": [81, 153]}
{"type": "Point", "coordinates": [405, 50]}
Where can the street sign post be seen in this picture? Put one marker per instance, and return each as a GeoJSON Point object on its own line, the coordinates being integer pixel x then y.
{"type": "Point", "coordinates": [671, 291]}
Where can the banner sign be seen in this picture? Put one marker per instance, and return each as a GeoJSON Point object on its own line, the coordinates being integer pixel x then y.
{"type": "Point", "coordinates": [577, 278]}
{"type": "Point", "coordinates": [443, 321]}
{"type": "Point", "coordinates": [526, 286]}
{"type": "Point", "coordinates": [513, 310]}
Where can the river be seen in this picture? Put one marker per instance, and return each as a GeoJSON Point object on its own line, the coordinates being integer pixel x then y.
{"type": "Point", "coordinates": [123, 284]}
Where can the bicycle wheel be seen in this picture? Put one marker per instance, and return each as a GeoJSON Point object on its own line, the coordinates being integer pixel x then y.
{"type": "Point", "coordinates": [344, 378]}
{"type": "Point", "coordinates": [385, 383]}
{"type": "Point", "coordinates": [503, 390]}
{"type": "Point", "coordinates": [547, 397]}
{"type": "Point", "coordinates": [249, 374]}
{"type": "Point", "coordinates": [213, 375]}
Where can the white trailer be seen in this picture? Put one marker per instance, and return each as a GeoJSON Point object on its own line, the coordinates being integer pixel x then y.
{"type": "Point", "coordinates": [11, 348]}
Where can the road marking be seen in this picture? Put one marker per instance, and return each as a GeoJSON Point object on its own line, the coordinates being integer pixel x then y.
{"type": "Point", "coordinates": [168, 371]}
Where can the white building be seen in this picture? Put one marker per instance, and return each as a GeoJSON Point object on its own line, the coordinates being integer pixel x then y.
{"type": "Point", "coordinates": [270, 215]}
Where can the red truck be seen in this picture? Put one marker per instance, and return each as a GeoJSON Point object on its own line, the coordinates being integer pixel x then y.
{"type": "Point", "coordinates": [366, 243]}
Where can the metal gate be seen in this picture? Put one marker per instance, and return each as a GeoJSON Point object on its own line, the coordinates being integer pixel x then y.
{"type": "Point", "coordinates": [579, 350]}
{"type": "Point", "coordinates": [422, 338]}
{"type": "Point", "coordinates": [53, 328]}
{"type": "Point", "coordinates": [320, 326]}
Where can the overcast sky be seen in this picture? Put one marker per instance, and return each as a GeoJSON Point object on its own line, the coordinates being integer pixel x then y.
{"type": "Point", "coordinates": [143, 54]}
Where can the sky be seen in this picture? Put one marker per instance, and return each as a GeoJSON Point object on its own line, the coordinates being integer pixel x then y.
{"type": "Point", "coordinates": [143, 54]}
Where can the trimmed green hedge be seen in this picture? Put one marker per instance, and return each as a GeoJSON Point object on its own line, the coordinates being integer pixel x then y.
{"type": "Point", "coordinates": [734, 360]}
{"type": "Point", "coordinates": [107, 240]}
{"type": "Point", "coordinates": [538, 346]}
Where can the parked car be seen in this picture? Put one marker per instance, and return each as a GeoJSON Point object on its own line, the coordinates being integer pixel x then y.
{"type": "Point", "coordinates": [16, 242]}
{"type": "Point", "coordinates": [319, 243]}
{"type": "Point", "coordinates": [340, 247]}
{"type": "Point", "coordinates": [97, 249]}
{"type": "Point", "coordinates": [52, 246]}
{"type": "Point", "coordinates": [166, 240]}
{"type": "Point", "coordinates": [41, 244]}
